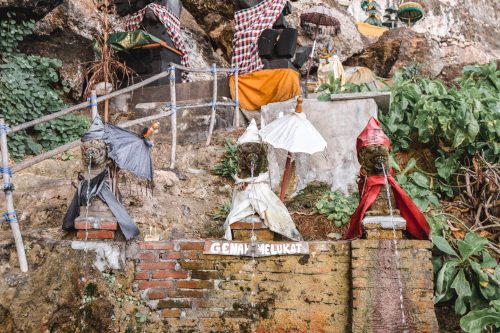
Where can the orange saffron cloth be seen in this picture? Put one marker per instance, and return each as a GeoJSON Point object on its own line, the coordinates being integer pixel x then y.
{"type": "Point", "coordinates": [266, 86]}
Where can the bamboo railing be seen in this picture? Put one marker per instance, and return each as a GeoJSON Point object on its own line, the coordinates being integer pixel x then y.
{"type": "Point", "coordinates": [170, 110]}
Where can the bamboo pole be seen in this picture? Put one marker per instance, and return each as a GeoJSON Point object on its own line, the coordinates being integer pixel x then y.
{"type": "Point", "coordinates": [39, 158]}
{"type": "Point", "coordinates": [310, 60]}
{"type": "Point", "coordinates": [128, 89]}
{"type": "Point", "coordinates": [87, 103]}
{"type": "Point", "coordinates": [93, 105]}
{"type": "Point", "coordinates": [237, 99]}
{"type": "Point", "coordinates": [286, 176]}
{"type": "Point", "coordinates": [174, 115]}
{"type": "Point", "coordinates": [288, 164]}
{"type": "Point", "coordinates": [9, 200]}
{"type": "Point", "coordinates": [214, 106]}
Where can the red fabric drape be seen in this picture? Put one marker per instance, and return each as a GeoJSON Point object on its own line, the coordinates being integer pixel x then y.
{"type": "Point", "coordinates": [416, 224]}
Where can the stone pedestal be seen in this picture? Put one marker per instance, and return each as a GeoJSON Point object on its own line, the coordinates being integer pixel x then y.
{"type": "Point", "coordinates": [96, 223]}
{"type": "Point", "coordinates": [381, 227]}
{"type": "Point", "coordinates": [242, 231]}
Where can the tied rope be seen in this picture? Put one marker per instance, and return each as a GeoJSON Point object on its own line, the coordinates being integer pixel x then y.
{"type": "Point", "coordinates": [4, 128]}
{"type": "Point", "coordinates": [10, 216]}
{"type": "Point", "coordinates": [92, 102]}
{"type": "Point", "coordinates": [7, 171]}
{"type": "Point", "coordinates": [8, 187]}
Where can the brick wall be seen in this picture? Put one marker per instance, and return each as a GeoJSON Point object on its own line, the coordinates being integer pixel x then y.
{"type": "Point", "coordinates": [194, 292]}
{"type": "Point", "coordinates": [376, 302]}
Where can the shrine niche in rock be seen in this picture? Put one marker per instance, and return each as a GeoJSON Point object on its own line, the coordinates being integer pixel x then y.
{"type": "Point", "coordinates": [385, 211]}
{"type": "Point", "coordinates": [152, 38]}
{"type": "Point", "coordinates": [257, 214]}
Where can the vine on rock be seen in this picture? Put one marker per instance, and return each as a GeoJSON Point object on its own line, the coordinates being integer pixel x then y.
{"type": "Point", "coordinates": [30, 87]}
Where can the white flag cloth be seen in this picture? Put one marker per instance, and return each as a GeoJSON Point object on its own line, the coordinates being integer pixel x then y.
{"type": "Point", "coordinates": [293, 133]}
{"type": "Point", "coordinates": [258, 198]}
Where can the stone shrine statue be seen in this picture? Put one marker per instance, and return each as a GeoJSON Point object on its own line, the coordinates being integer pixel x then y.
{"type": "Point", "coordinates": [253, 200]}
{"type": "Point", "coordinates": [384, 205]}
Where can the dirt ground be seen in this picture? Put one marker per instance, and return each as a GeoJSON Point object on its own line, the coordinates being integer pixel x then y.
{"type": "Point", "coordinates": [180, 207]}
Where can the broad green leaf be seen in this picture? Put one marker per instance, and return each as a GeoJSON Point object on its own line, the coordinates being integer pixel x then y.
{"type": "Point", "coordinates": [488, 260]}
{"type": "Point", "coordinates": [420, 179]}
{"type": "Point", "coordinates": [477, 320]}
{"type": "Point", "coordinates": [444, 279]}
{"type": "Point", "coordinates": [422, 204]}
{"type": "Point", "coordinates": [443, 245]}
{"type": "Point", "coordinates": [409, 166]}
{"type": "Point", "coordinates": [460, 307]}
{"type": "Point", "coordinates": [458, 138]}
{"type": "Point", "coordinates": [471, 245]}
{"type": "Point", "coordinates": [461, 285]}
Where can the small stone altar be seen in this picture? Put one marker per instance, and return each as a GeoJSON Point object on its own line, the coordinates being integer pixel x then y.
{"type": "Point", "coordinates": [257, 214]}
{"type": "Point", "coordinates": [384, 227]}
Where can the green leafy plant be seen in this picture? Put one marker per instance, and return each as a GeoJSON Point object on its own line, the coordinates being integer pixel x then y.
{"type": "Point", "coordinates": [30, 87]}
{"type": "Point", "coordinates": [334, 86]}
{"type": "Point", "coordinates": [140, 317]}
{"type": "Point", "coordinates": [418, 185]}
{"type": "Point", "coordinates": [12, 32]}
{"type": "Point", "coordinates": [227, 168]}
{"type": "Point", "coordinates": [337, 207]}
{"type": "Point", "coordinates": [468, 274]}
{"type": "Point", "coordinates": [221, 212]}
{"type": "Point", "coordinates": [456, 123]}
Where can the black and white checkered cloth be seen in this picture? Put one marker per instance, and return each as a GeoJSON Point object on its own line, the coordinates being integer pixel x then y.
{"type": "Point", "coordinates": [249, 24]}
{"type": "Point", "coordinates": [168, 19]}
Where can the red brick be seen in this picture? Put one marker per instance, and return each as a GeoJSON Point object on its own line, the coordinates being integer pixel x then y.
{"type": "Point", "coordinates": [183, 293]}
{"type": "Point", "coordinates": [95, 234]}
{"type": "Point", "coordinates": [142, 275]}
{"type": "Point", "coordinates": [167, 274]}
{"type": "Point", "coordinates": [192, 245]}
{"type": "Point", "coordinates": [155, 284]}
{"type": "Point", "coordinates": [195, 284]}
{"type": "Point", "coordinates": [190, 254]}
{"type": "Point", "coordinates": [156, 246]}
{"type": "Point", "coordinates": [171, 313]}
{"type": "Point", "coordinates": [171, 255]}
{"type": "Point", "coordinates": [148, 256]}
{"type": "Point", "coordinates": [156, 265]}
{"type": "Point", "coordinates": [157, 294]}
{"type": "Point", "coordinates": [102, 225]}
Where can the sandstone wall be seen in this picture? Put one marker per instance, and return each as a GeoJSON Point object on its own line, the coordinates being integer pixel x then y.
{"type": "Point", "coordinates": [194, 292]}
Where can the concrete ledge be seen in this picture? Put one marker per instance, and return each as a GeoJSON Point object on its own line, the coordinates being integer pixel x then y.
{"type": "Point", "coordinates": [383, 99]}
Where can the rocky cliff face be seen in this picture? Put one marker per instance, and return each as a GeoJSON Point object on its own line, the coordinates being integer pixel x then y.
{"type": "Point", "coordinates": [452, 33]}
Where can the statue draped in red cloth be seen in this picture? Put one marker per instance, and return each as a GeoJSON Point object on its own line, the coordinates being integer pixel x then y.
{"type": "Point", "coordinates": [372, 181]}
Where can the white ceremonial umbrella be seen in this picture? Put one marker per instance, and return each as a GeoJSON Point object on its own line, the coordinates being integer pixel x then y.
{"type": "Point", "coordinates": [295, 134]}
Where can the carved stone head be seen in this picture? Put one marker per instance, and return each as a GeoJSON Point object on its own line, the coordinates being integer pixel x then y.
{"type": "Point", "coordinates": [373, 148]}
{"type": "Point", "coordinates": [372, 157]}
{"type": "Point", "coordinates": [251, 153]}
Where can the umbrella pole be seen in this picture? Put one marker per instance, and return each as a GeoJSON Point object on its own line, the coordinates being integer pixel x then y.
{"type": "Point", "coordinates": [309, 62]}
{"type": "Point", "coordinates": [286, 176]}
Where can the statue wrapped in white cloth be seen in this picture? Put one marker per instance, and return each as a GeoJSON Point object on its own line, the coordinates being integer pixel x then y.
{"type": "Point", "coordinates": [253, 199]}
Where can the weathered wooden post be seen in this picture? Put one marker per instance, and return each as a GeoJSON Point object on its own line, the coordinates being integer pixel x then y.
{"type": "Point", "coordinates": [214, 105]}
{"type": "Point", "coordinates": [237, 99]}
{"type": "Point", "coordinates": [10, 216]}
{"type": "Point", "coordinates": [174, 115]}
